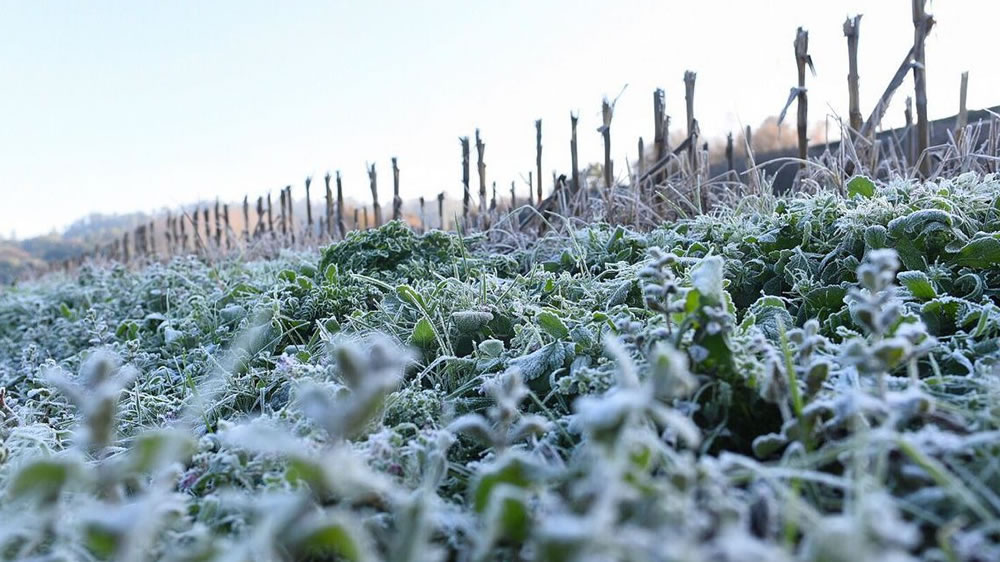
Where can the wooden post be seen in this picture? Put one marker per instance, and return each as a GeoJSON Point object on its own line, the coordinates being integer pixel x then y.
{"type": "Point", "coordinates": [365, 212]}
{"type": "Point", "coordinates": [167, 235]}
{"type": "Point", "coordinates": [218, 225]}
{"type": "Point", "coordinates": [423, 217]}
{"type": "Point", "coordinates": [573, 154]}
{"type": "Point", "coordinates": [441, 210]}
{"type": "Point", "coordinates": [152, 237]}
{"type": "Point", "coordinates": [963, 112]}
{"type": "Point", "coordinates": [911, 134]}
{"type": "Point", "coordinates": [225, 220]}
{"type": "Point", "coordinates": [194, 230]}
{"type": "Point", "coordinates": [481, 168]}
{"type": "Point", "coordinates": [376, 208]}
{"type": "Point", "coordinates": [329, 207]}
{"type": "Point", "coordinates": [357, 225]}
{"type": "Point", "coordinates": [291, 215]}
{"type": "Point", "coordinates": [692, 129]}
{"type": "Point", "coordinates": [259, 228]}
{"type": "Point", "coordinates": [607, 111]}
{"type": "Point", "coordinates": [801, 59]}
{"type": "Point", "coordinates": [659, 125]}
{"type": "Point", "coordinates": [208, 229]}
{"type": "Point", "coordinates": [729, 152]}
{"type": "Point", "coordinates": [493, 201]}
{"type": "Point", "coordinates": [466, 197]}
{"type": "Point", "coordinates": [284, 225]}
{"type": "Point", "coordinates": [922, 22]}
{"type": "Point", "coordinates": [309, 210]}
{"type": "Point", "coordinates": [851, 31]}
{"type": "Point", "coordinates": [340, 208]}
{"type": "Point", "coordinates": [270, 216]}
{"type": "Point", "coordinates": [641, 163]}
{"type": "Point", "coordinates": [184, 236]}
{"type": "Point", "coordinates": [538, 157]}
{"type": "Point", "coordinates": [513, 196]}
{"type": "Point", "coordinates": [397, 201]}
{"type": "Point", "coordinates": [246, 218]}
{"type": "Point", "coordinates": [125, 255]}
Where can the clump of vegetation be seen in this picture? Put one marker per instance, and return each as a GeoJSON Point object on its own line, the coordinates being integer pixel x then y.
{"type": "Point", "coordinates": [810, 377]}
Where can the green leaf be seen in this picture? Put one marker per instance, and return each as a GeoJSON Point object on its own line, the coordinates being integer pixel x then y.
{"type": "Point", "coordinates": [327, 534]}
{"type": "Point", "coordinates": [43, 479]}
{"type": "Point", "coordinates": [861, 185]}
{"type": "Point", "coordinates": [918, 284]}
{"type": "Point", "coordinates": [980, 253]}
{"type": "Point", "coordinates": [423, 333]}
{"type": "Point", "coordinates": [552, 325]}
{"type": "Point", "coordinates": [471, 321]}
{"type": "Point", "coordinates": [706, 277]}
{"type": "Point", "coordinates": [513, 469]}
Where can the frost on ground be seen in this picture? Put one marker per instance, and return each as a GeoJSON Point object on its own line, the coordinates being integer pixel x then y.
{"type": "Point", "coordinates": [809, 378]}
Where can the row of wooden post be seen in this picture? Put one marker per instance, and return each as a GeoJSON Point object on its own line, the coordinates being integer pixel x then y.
{"type": "Point", "coordinates": [141, 242]}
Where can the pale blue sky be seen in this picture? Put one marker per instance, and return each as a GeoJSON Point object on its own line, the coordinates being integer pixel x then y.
{"type": "Point", "coordinates": [117, 106]}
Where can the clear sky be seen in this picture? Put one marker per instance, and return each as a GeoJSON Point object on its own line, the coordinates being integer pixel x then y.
{"type": "Point", "coordinates": [118, 106]}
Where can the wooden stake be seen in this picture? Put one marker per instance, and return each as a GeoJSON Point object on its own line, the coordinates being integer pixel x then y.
{"type": "Point", "coordinates": [659, 124]}
{"type": "Point", "coordinates": [246, 218]}
{"type": "Point", "coordinates": [851, 31]}
{"type": "Point", "coordinates": [573, 155]}
{"type": "Point", "coordinates": [376, 208]}
{"type": "Point", "coordinates": [801, 59]}
{"type": "Point", "coordinates": [641, 163]}
{"type": "Point", "coordinates": [270, 216]}
{"type": "Point", "coordinates": [291, 215]}
{"type": "Point", "coordinates": [309, 209]}
{"type": "Point", "coordinates": [397, 202]}
{"type": "Point", "coordinates": [423, 217]}
{"type": "Point", "coordinates": [208, 229]}
{"type": "Point", "coordinates": [607, 112]}
{"type": "Point", "coordinates": [329, 207]}
{"type": "Point", "coordinates": [184, 236]}
{"type": "Point", "coordinates": [357, 225]}
{"type": "Point", "coordinates": [365, 212]}
{"type": "Point", "coordinates": [218, 225]}
{"type": "Point", "coordinates": [963, 112]}
{"type": "Point", "coordinates": [729, 151]}
{"type": "Point", "coordinates": [911, 133]}
{"type": "Point", "coordinates": [466, 197]}
{"type": "Point", "coordinates": [284, 225]}
{"type": "Point", "coordinates": [513, 197]}
{"type": "Point", "coordinates": [922, 22]}
{"type": "Point", "coordinates": [441, 210]}
{"type": "Point", "coordinates": [481, 168]}
{"type": "Point", "coordinates": [340, 208]}
{"type": "Point", "coordinates": [225, 219]}
{"type": "Point", "coordinates": [692, 129]}
{"type": "Point", "coordinates": [194, 230]}
{"type": "Point", "coordinates": [538, 156]}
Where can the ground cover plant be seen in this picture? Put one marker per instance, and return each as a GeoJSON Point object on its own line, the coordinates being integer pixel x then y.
{"type": "Point", "coordinates": [811, 377]}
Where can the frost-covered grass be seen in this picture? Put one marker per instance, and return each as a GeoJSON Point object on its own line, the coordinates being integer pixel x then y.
{"type": "Point", "coordinates": [809, 378]}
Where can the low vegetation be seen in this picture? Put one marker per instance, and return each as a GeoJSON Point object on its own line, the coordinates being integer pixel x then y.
{"type": "Point", "coordinates": [812, 377]}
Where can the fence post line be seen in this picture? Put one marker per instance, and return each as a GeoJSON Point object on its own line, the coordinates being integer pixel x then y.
{"type": "Point", "coordinates": [218, 225]}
